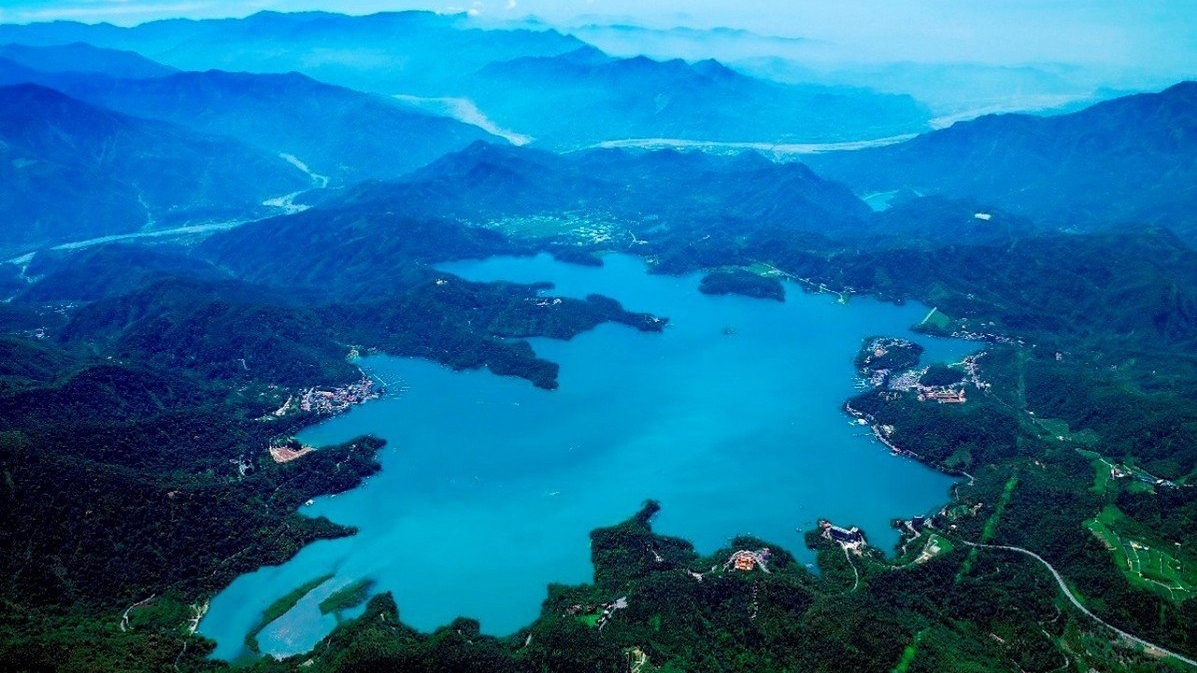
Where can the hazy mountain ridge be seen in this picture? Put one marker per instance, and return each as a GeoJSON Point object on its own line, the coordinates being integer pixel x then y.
{"type": "Point", "coordinates": [584, 97]}
{"type": "Point", "coordinates": [1128, 161]}
{"type": "Point", "coordinates": [342, 134]}
{"type": "Point", "coordinates": [73, 171]}
{"type": "Point", "coordinates": [541, 83]}
{"type": "Point", "coordinates": [413, 52]}
{"type": "Point", "coordinates": [486, 182]}
{"type": "Point", "coordinates": [83, 57]}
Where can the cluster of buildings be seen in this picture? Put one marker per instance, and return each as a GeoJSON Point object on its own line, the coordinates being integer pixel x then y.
{"type": "Point", "coordinates": [969, 335]}
{"type": "Point", "coordinates": [338, 399]}
{"type": "Point", "coordinates": [1125, 472]}
{"type": "Point", "coordinates": [943, 395]}
{"type": "Point", "coordinates": [911, 381]}
{"type": "Point", "coordinates": [848, 538]}
{"type": "Point", "coordinates": [907, 380]}
{"type": "Point", "coordinates": [881, 347]}
{"type": "Point", "coordinates": [972, 370]}
{"type": "Point", "coordinates": [330, 401]}
{"type": "Point", "coordinates": [747, 560]}
{"type": "Point", "coordinates": [607, 610]}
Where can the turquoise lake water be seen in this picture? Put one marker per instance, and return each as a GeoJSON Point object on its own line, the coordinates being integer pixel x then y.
{"type": "Point", "coordinates": [490, 487]}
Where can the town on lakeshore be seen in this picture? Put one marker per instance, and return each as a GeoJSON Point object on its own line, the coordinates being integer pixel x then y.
{"type": "Point", "coordinates": [319, 401]}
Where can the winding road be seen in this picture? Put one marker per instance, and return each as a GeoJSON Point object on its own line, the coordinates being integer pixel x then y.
{"type": "Point", "coordinates": [1073, 599]}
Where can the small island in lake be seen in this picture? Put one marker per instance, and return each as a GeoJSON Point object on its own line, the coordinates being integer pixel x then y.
{"type": "Point", "coordinates": [746, 283]}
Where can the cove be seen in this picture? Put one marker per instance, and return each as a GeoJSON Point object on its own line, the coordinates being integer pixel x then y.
{"type": "Point", "coordinates": [731, 418]}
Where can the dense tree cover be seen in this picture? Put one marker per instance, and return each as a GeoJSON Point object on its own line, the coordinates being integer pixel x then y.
{"type": "Point", "coordinates": [108, 271]}
{"type": "Point", "coordinates": [879, 353]}
{"type": "Point", "coordinates": [230, 331]}
{"type": "Point", "coordinates": [952, 437]}
{"type": "Point", "coordinates": [1123, 161]}
{"type": "Point", "coordinates": [941, 375]}
{"type": "Point", "coordinates": [133, 464]}
{"type": "Point", "coordinates": [133, 434]}
{"type": "Point", "coordinates": [746, 283]}
{"type": "Point", "coordinates": [100, 173]}
{"type": "Point", "coordinates": [951, 613]}
{"type": "Point", "coordinates": [1114, 396]}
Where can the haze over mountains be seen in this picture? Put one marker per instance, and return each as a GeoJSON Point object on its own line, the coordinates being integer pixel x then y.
{"type": "Point", "coordinates": [72, 171]}
{"type": "Point", "coordinates": [584, 97]}
{"type": "Point", "coordinates": [947, 88]}
{"type": "Point", "coordinates": [429, 55]}
{"type": "Point", "coordinates": [80, 57]}
{"type": "Point", "coordinates": [561, 93]}
{"type": "Point", "coordinates": [339, 133]}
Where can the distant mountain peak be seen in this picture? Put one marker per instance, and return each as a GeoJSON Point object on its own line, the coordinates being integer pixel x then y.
{"type": "Point", "coordinates": [715, 69]}
{"type": "Point", "coordinates": [482, 153]}
{"type": "Point", "coordinates": [586, 55]}
{"type": "Point", "coordinates": [83, 57]}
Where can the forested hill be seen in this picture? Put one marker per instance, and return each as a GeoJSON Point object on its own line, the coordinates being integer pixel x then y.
{"type": "Point", "coordinates": [345, 136]}
{"type": "Point", "coordinates": [1130, 161]}
{"type": "Point", "coordinates": [74, 171]}
{"type": "Point", "coordinates": [487, 182]}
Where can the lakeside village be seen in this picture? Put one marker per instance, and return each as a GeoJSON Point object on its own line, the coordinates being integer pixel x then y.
{"type": "Point", "coordinates": [321, 401]}
{"type": "Point", "coordinates": [903, 377]}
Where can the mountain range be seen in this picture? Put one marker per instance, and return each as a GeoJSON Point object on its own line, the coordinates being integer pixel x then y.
{"type": "Point", "coordinates": [1128, 162]}
{"type": "Point", "coordinates": [70, 171]}
{"type": "Point", "coordinates": [341, 134]}
{"type": "Point", "coordinates": [80, 57]}
{"type": "Point", "coordinates": [416, 52]}
{"type": "Point", "coordinates": [585, 97]}
{"type": "Point", "coordinates": [539, 83]}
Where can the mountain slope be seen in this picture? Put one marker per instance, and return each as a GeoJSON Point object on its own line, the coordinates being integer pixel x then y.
{"type": "Point", "coordinates": [638, 189]}
{"type": "Point", "coordinates": [585, 97]}
{"type": "Point", "coordinates": [71, 171]}
{"type": "Point", "coordinates": [1128, 160]}
{"type": "Point", "coordinates": [492, 199]}
{"type": "Point", "coordinates": [82, 57]}
{"type": "Point", "coordinates": [413, 52]}
{"type": "Point", "coordinates": [345, 135]}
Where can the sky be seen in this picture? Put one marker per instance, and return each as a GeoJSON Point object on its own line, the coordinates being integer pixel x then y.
{"type": "Point", "coordinates": [1159, 33]}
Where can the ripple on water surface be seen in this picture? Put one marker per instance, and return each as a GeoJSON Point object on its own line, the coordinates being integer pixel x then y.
{"type": "Point", "coordinates": [490, 487]}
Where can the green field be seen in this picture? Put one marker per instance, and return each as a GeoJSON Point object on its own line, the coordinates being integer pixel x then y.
{"type": "Point", "coordinates": [908, 653]}
{"type": "Point", "coordinates": [991, 525]}
{"type": "Point", "coordinates": [1145, 565]}
{"type": "Point", "coordinates": [937, 319]}
{"type": "Point", "coordinates": [1054, 428]}
{"type": "Point", "coordinates": [764, 270]}
{"type": "Point", "coordinates": [1102, 479]}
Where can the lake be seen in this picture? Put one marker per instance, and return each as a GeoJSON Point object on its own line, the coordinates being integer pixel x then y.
{"type": "Point", "coordinates": [731, 418]}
